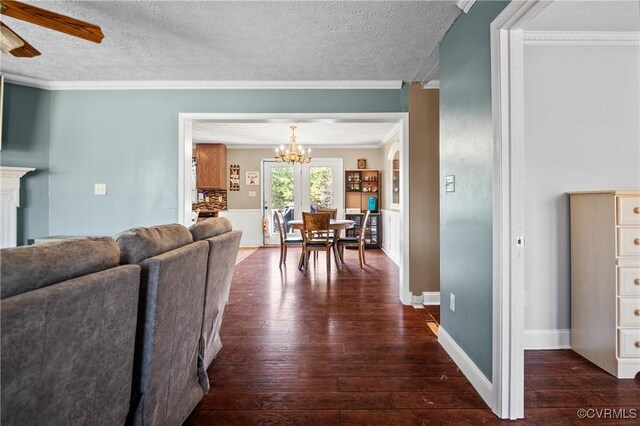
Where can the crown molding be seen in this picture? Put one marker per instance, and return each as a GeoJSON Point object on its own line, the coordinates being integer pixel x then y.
{"type": "Point", "coordinates": [204, 84]}
{"type": "Point", "coordinates": [595, 38]}
{"type": "Point", "coordinates": [465, 5]}
{"type": "Point", "coordinates": [315, 148]}
{"type": "Point", "coordinates": [390, 134]}
{"type": "Point", "coordinates": [431, 84]}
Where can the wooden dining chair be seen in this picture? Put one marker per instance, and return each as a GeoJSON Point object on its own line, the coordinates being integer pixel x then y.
{"type": "Point", "coordinates": [285, 240]}
{"type": "Point", "coordinates": [355, 242]}
{"type": "Point", "coordinates": [315, 237]}
{"type": "Point", "coordinates": [334, 216]}
{"type": "Point", "coordinates": [332, 212]}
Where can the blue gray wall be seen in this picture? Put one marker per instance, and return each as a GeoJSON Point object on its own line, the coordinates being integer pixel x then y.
{"type": "Point", "coordinates": [25, 143]}
{"type": "Point", "coordinates": [129, 140]}
{"type": "Point", "coordinates": [466, 152]}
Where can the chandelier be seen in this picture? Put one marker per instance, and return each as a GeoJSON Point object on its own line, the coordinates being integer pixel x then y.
{"type": "Point", "coordinates": [294, 153]}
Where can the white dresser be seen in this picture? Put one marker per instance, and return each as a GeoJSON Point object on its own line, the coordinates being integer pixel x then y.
{"type": "Point", "coordinates": [605, 279]}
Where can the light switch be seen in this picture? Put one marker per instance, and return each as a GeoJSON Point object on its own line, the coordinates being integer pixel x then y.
{"type": "Point", "coordinates": [100, 189]}
{"type": "Point", "coordinates": [252, 193]}
{"type": "Point", "coordinates": [450, 183]}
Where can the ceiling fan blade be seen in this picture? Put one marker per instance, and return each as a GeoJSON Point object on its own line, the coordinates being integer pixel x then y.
{"type": "Point", "coordinates": [10, 42]}
{"type": "Point", "coordinates": [51, 20]}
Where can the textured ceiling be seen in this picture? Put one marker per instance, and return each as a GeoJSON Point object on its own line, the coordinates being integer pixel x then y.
{"type": "Point", "coordinates": [588, 16]}
{"type": "Point", "coordinates": [309, 134]}
{"type": "Point", "coordinates": [261, 40]}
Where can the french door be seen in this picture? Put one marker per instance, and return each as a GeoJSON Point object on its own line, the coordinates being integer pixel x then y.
{"type": "Point", "coordinates": [293, 189]}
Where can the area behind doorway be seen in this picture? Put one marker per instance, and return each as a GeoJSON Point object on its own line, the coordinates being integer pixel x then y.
{"type": "Point", "coordinates": [294, 188]}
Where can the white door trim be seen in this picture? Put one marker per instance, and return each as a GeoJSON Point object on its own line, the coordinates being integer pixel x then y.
{"type": "Point", "coordinates": [507, 82]}
{"type": "Point", "coordinates": [185, 146]}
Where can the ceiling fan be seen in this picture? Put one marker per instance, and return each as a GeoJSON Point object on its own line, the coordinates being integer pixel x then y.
{"type": "Point", "coordinates": [12, 43]}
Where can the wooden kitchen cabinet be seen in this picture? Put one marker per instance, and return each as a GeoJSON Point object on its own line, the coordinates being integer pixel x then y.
{"type": "Point", "coordinates": [211, 166]}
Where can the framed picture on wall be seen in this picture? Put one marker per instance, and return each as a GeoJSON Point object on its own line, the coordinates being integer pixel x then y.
{"type": "Point", "coordinates": [253, 178]}
{"type": "Point", "coordinates": [234, 177]}
{"type": "Point", "coordinates": [362, 163]}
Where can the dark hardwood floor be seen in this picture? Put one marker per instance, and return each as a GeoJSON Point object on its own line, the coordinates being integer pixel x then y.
{"type": "Point", "coordinates": [342, 350]}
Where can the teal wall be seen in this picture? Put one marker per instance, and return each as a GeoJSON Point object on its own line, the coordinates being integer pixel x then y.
{"type": "Point", "coordinates": [129, 140]}
{"type": "Point", "coordinates": [25, 143]}
{"type": "Point", "coordinates": [466, 152]}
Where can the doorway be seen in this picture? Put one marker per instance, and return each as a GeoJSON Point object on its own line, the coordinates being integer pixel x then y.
{"type": "Point", "coordinates": [185, 147]}
{"type": "Point", "coordinates": [294, 188]}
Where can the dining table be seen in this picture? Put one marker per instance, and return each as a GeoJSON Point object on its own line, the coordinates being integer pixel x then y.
{"type": "Point", "coordinates": [335, 225]}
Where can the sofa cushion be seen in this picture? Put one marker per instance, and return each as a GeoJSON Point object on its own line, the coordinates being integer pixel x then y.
{"type": "Point", "coordinates": [169, 376]}
{"type": "Point", "coordinates": [29, 268]}
{"type": "Point", "coordinates": [138, 244]}
{"type": "Point", "coordinates": [223, 250]}
{"type": "Point", "coordinates": [67, 350]}
{"type": "Point", "coordinates": [210, 228]}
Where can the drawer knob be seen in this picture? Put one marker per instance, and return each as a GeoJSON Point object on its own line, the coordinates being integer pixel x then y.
{"type": "Point", "coordinates": [637, 281]}
{"type": "Point", "coordinates": [637, 345]}
{"type": "Point", "coordinates": [636, 312]}
{"type": "Point", "coordinates": [636, 241]}
{"type": "Point", "coordinates": [636, 210]}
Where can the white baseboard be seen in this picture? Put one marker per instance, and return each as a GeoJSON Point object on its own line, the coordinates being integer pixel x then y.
{"type": "Point", "coordinates": [468, 367]}
{"type": "Point", "coordinates": [547, 339]}
{"type": "Point", "coordinates": [250, 243]}
{"type": "Point", "coordinates": [417, 301]}
{"type": "Point", "coordinates": [431, 297]}
{"type": "Point", "coordinates": [395, 259]}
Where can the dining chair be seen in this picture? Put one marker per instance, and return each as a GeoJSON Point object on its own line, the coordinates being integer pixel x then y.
{"type": "Point", "coordinates": [285, 240]}
{"type": "Point", "coordinates": [355, 242]}
{"type": "Point", "coordinates": [332, 212]}
{"type": "Point", "coordinates": [315, 237]}
{"type": "Point", "coordinates": [334, 216]}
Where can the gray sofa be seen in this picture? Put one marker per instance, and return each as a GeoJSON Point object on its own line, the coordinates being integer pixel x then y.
{"type": "Point", "coordinates": [184, 287]}
{"type": "Point", "coordinates": [99, 331]}
{"type": "Point", "coordinates": [169, 376]}
{"type": "Point", "coordinates": [223, 249]}
{"type": "Point", "coordinates": [68, 329]}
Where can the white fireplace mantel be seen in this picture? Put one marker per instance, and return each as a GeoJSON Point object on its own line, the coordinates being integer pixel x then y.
{"type": "Point", "coordinates": [9, 203]}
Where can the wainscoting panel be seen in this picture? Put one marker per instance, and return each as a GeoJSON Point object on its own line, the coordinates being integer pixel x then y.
{"type": "Point", "coordinates": [250, 222]}
{"type": "Point", "coordinates": [391, 226]}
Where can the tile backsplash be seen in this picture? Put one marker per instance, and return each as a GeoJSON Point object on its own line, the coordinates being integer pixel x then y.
{"type": "Point", "coordinates": [215, 199]}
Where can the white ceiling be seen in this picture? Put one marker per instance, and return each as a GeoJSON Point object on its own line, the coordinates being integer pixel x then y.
{"type": "Point", "coordinates": [314, 135]}
{"type": "Point", "coordinates": [563, 15]}
{"type": "Point", "coordinates": [262, 40]}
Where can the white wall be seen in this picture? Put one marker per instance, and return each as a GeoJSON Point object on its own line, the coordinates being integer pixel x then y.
{"type": "Point", "coordinates": [582, 132]}
{"type": "Point", "coordinates": [249, 221]}
{"type": "Point", "coordinates": [391, 227]}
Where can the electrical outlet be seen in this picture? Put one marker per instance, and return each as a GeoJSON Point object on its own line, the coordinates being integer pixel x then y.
{"type": "Point", "coordinates": [252, 193]}
{"type": "Point", "coordinates": [452, 302]}
{"type": "Point", "coordinates": [100, 189]}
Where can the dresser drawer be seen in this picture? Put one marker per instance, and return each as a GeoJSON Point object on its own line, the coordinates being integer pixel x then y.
{"type": "Point", "coordinates": [629, 312]}
{"type": "Point", "coordinates": [628, 281]}
{"type": "Point", "coordinates": [629, 241]}
{"type": "Point", "coordinates": [628, 210]}
{"type": "Point", "coordinates": [629, 343]}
